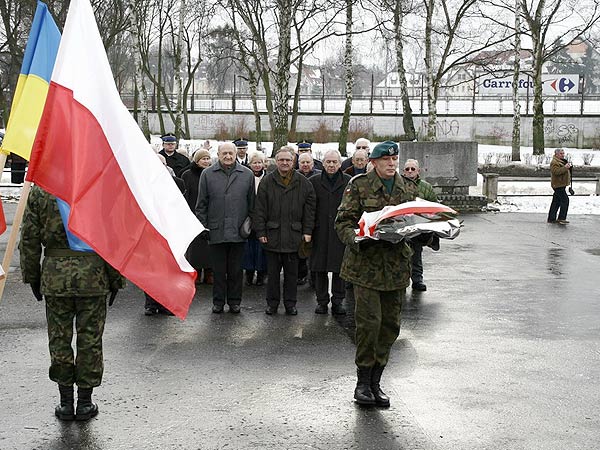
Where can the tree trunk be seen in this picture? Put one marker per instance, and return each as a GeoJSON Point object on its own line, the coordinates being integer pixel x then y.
{"type": "Point", "coordinates": [349, 71]}
{"type": "Point", "coordinates": [538, 102]}
{"type": "Point", "coordinates": [282, 75]}
{"type": "Point", "coordinates": [134, 30]}
{"type": "Point", "coordinates": [431, 90]}
{"type": "Point", "coordinates": [296, 102]}
{"type": "Point", "coordinates": [253, 84]}
{"type": "Point", "coordinates": [178, 68]}
{"type": "Point", "coordinates": [407, 116]}
{"type": "Point", "coordinates": [516, 134]}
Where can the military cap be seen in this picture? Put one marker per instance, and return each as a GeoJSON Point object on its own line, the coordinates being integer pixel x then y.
{"type": "Point", "coordinates": [241, 142]}
{"type": "Point", "coordinates": [387, 148]}
{"type": "Point", "coordinates": [304, 144]}
{"type": "Point", "coordinates": [169, 137]}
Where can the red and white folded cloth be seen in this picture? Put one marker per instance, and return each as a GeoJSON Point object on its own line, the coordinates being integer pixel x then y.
{"type": "Point", "coordinates": [407, 220]}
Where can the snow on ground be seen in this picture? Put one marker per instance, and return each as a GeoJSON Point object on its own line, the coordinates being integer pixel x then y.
{"type": "Point", "coordinates": [531, 196]}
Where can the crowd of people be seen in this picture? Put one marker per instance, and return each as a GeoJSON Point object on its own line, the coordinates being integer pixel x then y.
{"type": "Point", "coordinates": [297, 215]}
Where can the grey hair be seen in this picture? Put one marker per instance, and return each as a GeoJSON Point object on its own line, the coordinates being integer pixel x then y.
{"type": "Point", "coordinates": [335, 152]}
{"type": "Point", "coordinates": [363, 139]}
{"type": "Point", "coordinates": [557, 150]}
{"type": "Point", "coordinates": [256, 155]}
{"type": "Point", "coordinates": [413, 161]}
{"type": "Point", "coordinates": [286, 148]}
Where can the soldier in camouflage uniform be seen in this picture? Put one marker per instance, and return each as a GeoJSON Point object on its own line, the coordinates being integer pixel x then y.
{"type": "Point", "coordinates": [378, 270]}
{"type": "Point", "coordinates": [75, 286]}
{"type": "Point", "coordinates": [426, 192]}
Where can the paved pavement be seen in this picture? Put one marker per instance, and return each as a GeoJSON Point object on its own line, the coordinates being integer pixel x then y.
{"type": "Point", "coordinates": [501, 352]}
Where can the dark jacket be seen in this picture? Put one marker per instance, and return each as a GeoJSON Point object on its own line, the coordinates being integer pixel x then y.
{"type": "Point", "coordinates": [282, 213]}
{"type": "Point", "coordinates": [191, 178]}
{"type": "Point", "coordinates": [224, 201]}
{"type": "Point", "coordinates": [327, 250]}
{"type": "Point", "coordinates": [309, 174]}
{"type": "Point", "coordinates": [352, 171]}
{"type": "Point", "coordinates": [176, 161]}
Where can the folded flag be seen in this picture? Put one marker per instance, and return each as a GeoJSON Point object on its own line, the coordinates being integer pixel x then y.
{"type": "Point", "coordinates": [408, 220]}
{"type": "Point", "coordinates": [90, 153]}
{"type": "Point", "coordinates": [2, 219]}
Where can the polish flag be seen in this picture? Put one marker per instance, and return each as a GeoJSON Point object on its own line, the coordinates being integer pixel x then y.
{"type": "Point", "coordinates": [90, 152]}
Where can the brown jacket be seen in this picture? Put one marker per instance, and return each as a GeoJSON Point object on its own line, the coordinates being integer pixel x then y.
{"type": "Point", "coordinates": [560, 175]}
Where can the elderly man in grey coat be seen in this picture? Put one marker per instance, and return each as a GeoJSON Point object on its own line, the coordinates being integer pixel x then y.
{"type": "Point", "coordinates": [225, 200]}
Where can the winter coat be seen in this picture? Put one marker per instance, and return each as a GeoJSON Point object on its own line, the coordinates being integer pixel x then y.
{"type": "Point", "coordinates": [560, 176]}
{"type": "Point", "coordinates": [377, 265]}
{"type": "Point", "coordinates": [284, 213]}
{"type": "Point", "coordinates": [176, 161]}
{"type": "Point", "coordinates": [191, 178]}
{"type": "Point", "coordinates": [225, 201]}
{"type": "Point", "coordinates": [309, 174]}
{"type": "Point", "coordinates": [426, 191]}
{"type": "Point", "coordinates": [327, 249]}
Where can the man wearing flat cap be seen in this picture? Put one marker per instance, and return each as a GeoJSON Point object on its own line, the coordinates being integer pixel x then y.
{"type": "Point", "coordinates": [306, 147]}
{"type": "Point", "coordinates": [174, 159]}
{"type": "Point", "coordinates": [241, 146]}
{"type": "Point", "coordinates": [379, 270]}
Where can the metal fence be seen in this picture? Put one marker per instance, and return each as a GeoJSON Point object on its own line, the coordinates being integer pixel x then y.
{"type": "Point", "coordinates": [474, 105]}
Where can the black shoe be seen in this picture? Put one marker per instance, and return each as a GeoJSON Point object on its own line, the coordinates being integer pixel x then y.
{"type": "Point", "coordinates": [66, 409]}
{"type": "Point", "coordinates": [381, 398]}
{"type": "Point", "coordinates": [249, 277]}
{"type": "Point", "coordinates": [419, 286]}
{"type": "Point", "coordinates": [321, 309]}
{"type": "Point", "coordinates": [362, 392]}
{"type": "Point", "coordinates": [301, 281]}
{"type": "Point", "coordinates": [551, 221]}
{"type": "Point", "coordinates": [271, 310]}
{"type": "Point", "coordinates": [217, 309]}
{"type": "Point", "coordinates": [86, 409]}
{"type": "Point", "coordinates": [148, 311]}
{"type": "Point", "coordinates": [291, 311]}
{"type": "Point", "coordinates": [234, 309]}
{"type": "Point", "coordinates": [338, 310]}
{"type": "Point", "coordinates": [165, 312]}
{"type": "Point", "coordinates": [260, 278]}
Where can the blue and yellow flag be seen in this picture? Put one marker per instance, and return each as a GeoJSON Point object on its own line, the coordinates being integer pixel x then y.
{"type": "Point", "coordinates": [32, 86]}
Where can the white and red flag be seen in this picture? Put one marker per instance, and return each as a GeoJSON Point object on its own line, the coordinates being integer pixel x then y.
{"type": "Point", "coordinates": [90, 153]}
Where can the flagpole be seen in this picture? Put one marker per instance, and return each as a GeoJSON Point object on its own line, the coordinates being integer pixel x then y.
{"type": "Point", "coordinates": [14, 232]}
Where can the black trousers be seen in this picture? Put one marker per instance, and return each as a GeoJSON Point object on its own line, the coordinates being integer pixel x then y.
{"type": "Point", "coordinates": [289, 263]}
{"type": "Point", "coordinates": [227, 272]}
{"type": "Point", "coordinates": [338, 288]}
{"type": "Point", "coordinates": [560, 204]}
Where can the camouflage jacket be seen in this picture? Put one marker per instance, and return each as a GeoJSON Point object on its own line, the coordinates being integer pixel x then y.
{"type": "Point", "coordinates": [69, 275]}
{"type": "Point", "coordinates": [381, 266]}
{"type": "Point", "coordinates": [426, 191]}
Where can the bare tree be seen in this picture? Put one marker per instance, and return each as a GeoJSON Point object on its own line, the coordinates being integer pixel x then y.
{"type": "Point", "coordinates": [516, 133]}
{"type": "Point", "coordinates": [407, 116]}
{"type": "Point", "coordinates": [349, 80]}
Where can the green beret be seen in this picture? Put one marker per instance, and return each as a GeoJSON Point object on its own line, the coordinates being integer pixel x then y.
{"type": "Point", "coordinates": [387, 148]}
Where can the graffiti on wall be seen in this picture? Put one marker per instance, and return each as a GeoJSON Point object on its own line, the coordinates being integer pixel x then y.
{"type": "Point", "coordinates": [444, 128]}
{"type": "Point", "coordinates": [562, 133]}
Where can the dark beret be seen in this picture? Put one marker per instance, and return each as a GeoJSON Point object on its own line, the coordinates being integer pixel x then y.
{"type": "Point", "coordinates": [387, 148]}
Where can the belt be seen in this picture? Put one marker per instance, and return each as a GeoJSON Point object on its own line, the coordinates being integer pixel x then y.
{"type": "Point", "coordinates": [66, 252]}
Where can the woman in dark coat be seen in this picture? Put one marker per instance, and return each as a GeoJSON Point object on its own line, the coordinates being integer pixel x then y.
{"type": "Point", "coordinates": [198, 254]}
{"type": "Point", "coordinates": [254, 255]}
{"type": "Point", "coordinates": [328, 250]}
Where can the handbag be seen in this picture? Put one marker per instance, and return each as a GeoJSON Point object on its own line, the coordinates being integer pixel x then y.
{"type": "Point", "coordinates": [246, 228]}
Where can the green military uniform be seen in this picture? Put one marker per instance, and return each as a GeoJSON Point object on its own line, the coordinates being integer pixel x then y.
{"type": "Point", "coordinates": [425, 189]}
{"type": "Point", "coordinates": [379, 273]}
{"type": "Point", "coordinates": [426, 192]}
{"type": "Point", "coordinates": [75, 286]}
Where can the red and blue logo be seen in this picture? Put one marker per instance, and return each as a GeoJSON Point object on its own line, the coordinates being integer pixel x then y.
{"type": "Point", "coordinates": [562, 85]}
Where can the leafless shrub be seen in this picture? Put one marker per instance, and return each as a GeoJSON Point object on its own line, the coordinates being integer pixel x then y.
{"type": "Point", "coordinates": [222, 131]}
{"type": "Point", "coordinates": [503, 158]}
{"type": "Point", "coordinates": [487, 158]}
{"type": "Point", "coordinates": [527, 158]}
{"type": "Point", "coordinates": [587, 159]}
{"type": "Point", "coordinates": [358, 129]}
{"type": "Point", "coordinates": [322, 133]}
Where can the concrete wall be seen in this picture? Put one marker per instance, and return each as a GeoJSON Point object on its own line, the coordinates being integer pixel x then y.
{"type": "Point", "coordinates": [567, 131]}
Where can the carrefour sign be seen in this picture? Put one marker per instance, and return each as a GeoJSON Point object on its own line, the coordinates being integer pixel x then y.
{"type": "Point", "coordinates": [552, 84]}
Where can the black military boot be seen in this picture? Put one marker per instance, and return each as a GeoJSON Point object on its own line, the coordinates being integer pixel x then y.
{"type": "Point", "coordinates": [380, 397]}
{"type": "Point", "coordinates": [66, 410]}
{"type": "Point", "coordinates": [86, 409]}
{"type": "Point", "coordinates": [362, 393]}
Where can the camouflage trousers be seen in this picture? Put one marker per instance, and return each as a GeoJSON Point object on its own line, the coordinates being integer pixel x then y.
{"type": "Point", "coordinates": [377, 316]}
{"type": "Point", "coordinates": [89, 314]}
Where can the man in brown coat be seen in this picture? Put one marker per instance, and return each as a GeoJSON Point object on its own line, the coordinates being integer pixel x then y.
{"type": "Point", "coordinates": [560, 173]}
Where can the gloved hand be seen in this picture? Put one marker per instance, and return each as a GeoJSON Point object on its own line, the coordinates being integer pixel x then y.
{"type": "Point", "coordinates": [37, 293]}
{"type": "Point", "coordinates": [366, 243]}
{"type": "Point", "coordinates": [423, 239]}
{"type": "Point", "coordinates": [113, 295]}
{"type": "Point", "coordinates": [571, 191]}
{"type": "Point", "coordinates": [435, 243]}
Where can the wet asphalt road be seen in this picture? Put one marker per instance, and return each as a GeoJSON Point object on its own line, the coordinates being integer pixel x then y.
{"type": "Point", "coordinates": [501, 352]}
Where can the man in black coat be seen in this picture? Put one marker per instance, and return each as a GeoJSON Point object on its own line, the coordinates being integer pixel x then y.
{"type": "Point", "coordinates": [328, 250]}
{"type": "Point", "coordinates": [284, 217]}
{"type": "Point", "coordinates": [175, 160]}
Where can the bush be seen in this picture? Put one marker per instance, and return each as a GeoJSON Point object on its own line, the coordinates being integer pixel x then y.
{"type": "Point", "coordinates": [359, 129]}
{"type": "Point", "coordinates": [322, 133]}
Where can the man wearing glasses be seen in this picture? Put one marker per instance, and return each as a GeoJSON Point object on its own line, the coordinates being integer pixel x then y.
{"type": "Point", "coordinates": [360, 144]}
{"type": "Point", "coordinates": [426, 192]}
